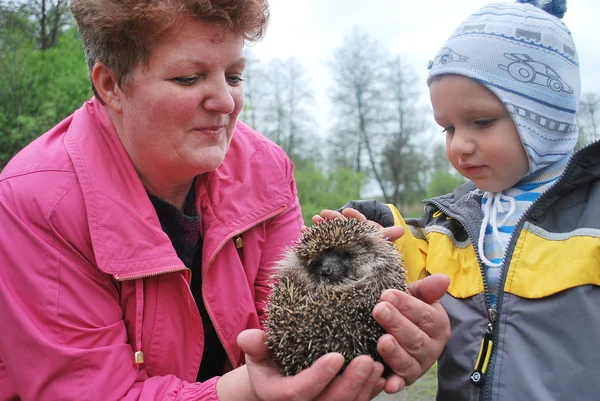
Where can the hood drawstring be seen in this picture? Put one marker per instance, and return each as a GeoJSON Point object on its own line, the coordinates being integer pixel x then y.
{"type": "Point", "coordinates": [491, 209]}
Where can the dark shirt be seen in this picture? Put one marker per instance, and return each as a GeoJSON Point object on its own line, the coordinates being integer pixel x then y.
{"type": "Point", "coordinates": [183, 229]}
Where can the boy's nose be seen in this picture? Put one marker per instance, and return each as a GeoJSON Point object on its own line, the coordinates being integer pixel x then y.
{"type": "Point", "coordinates": [461, 144]}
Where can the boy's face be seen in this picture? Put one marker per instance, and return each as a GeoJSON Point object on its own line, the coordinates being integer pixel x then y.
{"type": "Point", "coordinates": [482, 142]}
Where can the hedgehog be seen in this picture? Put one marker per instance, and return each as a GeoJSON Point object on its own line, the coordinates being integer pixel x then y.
{"type": "Point", "coordinates": [324, 291]}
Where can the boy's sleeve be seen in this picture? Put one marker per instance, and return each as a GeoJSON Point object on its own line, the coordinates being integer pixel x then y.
{"type": "Point", "coordinates": [412, 245]}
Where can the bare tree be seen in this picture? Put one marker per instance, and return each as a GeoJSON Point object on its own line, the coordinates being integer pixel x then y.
{"type": "Point", "coordinates": [285, 113]}
{"type": "Point", "coordinates": [357, 101]}
{"type": "Point", "coordinates": [43, 20]}
{"type": "Point", "coordinates": [255, 93]}
{"type": "Point", "coordinates": [404, 166]}
{"type": "Point", "coordinates": [438, 160]}
{"type": "Point", "coordinates": [588, 118]}
{"type": "Point", "coordinates": [51, 16]}
{"type": "Point", "coordinates": [276, 111]}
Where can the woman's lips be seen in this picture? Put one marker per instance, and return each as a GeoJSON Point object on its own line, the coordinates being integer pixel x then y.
{"type": "Point", "coordinates": [213, 130]}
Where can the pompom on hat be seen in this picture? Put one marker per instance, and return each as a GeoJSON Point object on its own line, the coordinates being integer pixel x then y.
{"type": "Point", "coordinates": [526, 56]}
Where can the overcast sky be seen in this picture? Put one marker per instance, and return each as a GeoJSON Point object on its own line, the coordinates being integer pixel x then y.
{"type": "Point", "coordinates": [310, 29]}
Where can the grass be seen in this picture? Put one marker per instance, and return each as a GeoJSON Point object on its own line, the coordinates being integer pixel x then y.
{"type": "Point", "coordinates": [423, 389]}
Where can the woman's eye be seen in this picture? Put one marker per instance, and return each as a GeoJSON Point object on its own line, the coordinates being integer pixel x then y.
{"type": "Point", "coordinates": [235, 79]}
{"type": "Point", "coordinates": [187, 81]}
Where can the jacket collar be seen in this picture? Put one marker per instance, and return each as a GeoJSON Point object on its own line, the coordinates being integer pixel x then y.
{"type": "Point", "coordinates": [126, 235]}
{"type": "Point", "coordinates": [125, 231]}
{"type": "Point", "coordinates": [582, 169]}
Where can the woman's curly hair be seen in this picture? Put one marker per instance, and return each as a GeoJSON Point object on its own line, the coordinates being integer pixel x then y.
{"type": "Point", "coordinates": [120, 33]}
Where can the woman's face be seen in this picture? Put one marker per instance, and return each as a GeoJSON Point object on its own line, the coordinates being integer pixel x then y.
{"type": "Point", "coordinates": [178, 111]}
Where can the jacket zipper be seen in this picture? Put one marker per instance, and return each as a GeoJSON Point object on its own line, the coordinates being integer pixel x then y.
{"type": "Point", "coordinates": [486, 348]}
{"type": "Point", "coordinates": [508, 256]}
{"type": "Point", "coordinates": [212, 259]}
{"type": "Point", "coordinates": [447, 212]}
{"type": "Point", "coordinates": [490, 336]}
{"type": "Point", "coordinates": [125, 277]}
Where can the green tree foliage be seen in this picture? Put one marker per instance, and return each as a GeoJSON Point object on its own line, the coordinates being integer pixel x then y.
{"type": "Point", "coordinates": [443, 182]}
{"type": "Point", "coordinates": [38, 88]}
{"type": "Point", "coordinates": [318, 190]}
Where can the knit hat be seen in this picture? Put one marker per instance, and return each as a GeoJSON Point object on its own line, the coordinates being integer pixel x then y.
{"type": "Point", "coordinates": [525, 55]}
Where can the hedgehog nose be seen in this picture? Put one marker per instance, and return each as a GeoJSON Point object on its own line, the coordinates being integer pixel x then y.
{"type": "Point", "coordinates": [329, 266]}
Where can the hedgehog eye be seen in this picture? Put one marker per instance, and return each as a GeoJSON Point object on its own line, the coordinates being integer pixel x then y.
{"type": "Point", "coordinates": [346, 254]}
{"type": "Point", "coordinates": [315, 265]}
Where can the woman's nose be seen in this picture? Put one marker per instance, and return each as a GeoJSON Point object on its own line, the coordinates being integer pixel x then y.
{"type": "Point", "coordinates": [220, 98]}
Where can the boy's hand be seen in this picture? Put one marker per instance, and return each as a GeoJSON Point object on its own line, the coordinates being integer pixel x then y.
{"type": "Point", "coordinates": [391, 233]}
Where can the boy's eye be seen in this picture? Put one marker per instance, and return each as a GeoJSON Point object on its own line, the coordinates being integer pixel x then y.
{"type": "Point", "coordinates": [484, 122]}
{"type": "Point", "coordinates": [449, 129]}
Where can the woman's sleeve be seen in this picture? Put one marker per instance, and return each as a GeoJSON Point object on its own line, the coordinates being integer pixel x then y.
{"type": "Point", "coordinates": [62, 334]}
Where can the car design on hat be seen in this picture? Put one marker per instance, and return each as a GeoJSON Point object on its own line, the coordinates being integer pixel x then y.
{"type": "Point", "coordinates": [525, 69]}
{"type": "Point", "coordinates": [447, 55]}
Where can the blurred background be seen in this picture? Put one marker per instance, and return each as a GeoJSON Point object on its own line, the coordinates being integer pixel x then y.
{"type": "Point", "coordinates": [339, 84]}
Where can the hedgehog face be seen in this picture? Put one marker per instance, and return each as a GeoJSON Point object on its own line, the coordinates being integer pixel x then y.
{"type": "Point", "coordinates": [341, 252]}
{"type": "Point", "coordinates": [333, 266]}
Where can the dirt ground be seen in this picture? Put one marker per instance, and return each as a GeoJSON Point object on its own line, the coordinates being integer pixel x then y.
{"type": "Point", "coordinates": [423, 390]}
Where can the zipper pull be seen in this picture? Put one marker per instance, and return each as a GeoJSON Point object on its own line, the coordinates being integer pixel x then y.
{"type": "Point", "coordinates": [238, 242]}
{"type": "Point", "coordinates": [485, 351]}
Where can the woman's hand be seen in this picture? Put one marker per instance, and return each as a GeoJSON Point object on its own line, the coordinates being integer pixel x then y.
{"type": "Point", "coordinates": [360, 381]}
{"type": "Point", "coordinates": [417, 329]}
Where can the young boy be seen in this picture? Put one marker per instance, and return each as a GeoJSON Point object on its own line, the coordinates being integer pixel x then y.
{"type": "Point", "coordinates": [521, 240]}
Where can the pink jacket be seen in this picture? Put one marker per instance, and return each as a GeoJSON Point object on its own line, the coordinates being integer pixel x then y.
{"type": "Point", "coordinates": [88, 278]}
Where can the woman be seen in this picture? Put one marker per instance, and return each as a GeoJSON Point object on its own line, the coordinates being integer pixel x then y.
{"type": "Point", "coordinates": [150, 186]}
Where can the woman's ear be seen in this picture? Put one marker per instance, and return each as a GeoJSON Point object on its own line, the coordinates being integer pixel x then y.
{"type": "Point", "coordinates": [107, 87]}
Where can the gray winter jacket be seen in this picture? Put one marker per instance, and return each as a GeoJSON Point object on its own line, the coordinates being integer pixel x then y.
{"type": "Point", "coordinates": [542, 342]}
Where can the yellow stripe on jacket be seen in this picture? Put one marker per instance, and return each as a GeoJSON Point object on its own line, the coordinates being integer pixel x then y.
{"type": "Point", "coordinates": [542, 264]}
{"type": "Point", "coordinates": [460, 264]}
{"type": "Point", "coordinates": [545, 263]}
